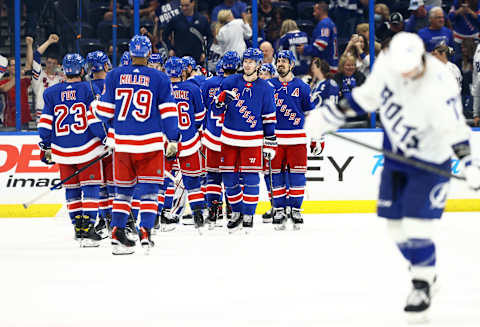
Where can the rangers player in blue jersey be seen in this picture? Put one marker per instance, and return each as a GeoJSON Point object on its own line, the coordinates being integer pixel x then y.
{"type": "Point", "coordinates": [421, 111]}
{"type": "Point", "coordinates": [249, 123]}
{"type": "Point", "coordinates": [138, 101]}
{"type": "Point", "coordinates": [72, 137]}
{"type": "Point", "coordinates": [292, 101]}
{"type": "Point", "coordinates": [211, 136]}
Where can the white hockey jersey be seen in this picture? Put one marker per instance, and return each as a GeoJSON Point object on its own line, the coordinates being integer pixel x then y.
{"type": "Point", "coordinates": [422, 118]}
{"type": "Point", "coordinates": [476, 82]}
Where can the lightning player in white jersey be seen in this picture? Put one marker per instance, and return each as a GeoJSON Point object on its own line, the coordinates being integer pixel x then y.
{"type": "Point", "coordinates": [476, 86]}
{"type": "Point", "coordinates": [138, 101]}
{"type": "Point", "coordinates": [72, 137]}
{"type": "Point", "coordinates": [421, 111]}
{"type": "Point", "coordinates": [249, 108]}
{"type": "Point", "coordinates": [292, 101]}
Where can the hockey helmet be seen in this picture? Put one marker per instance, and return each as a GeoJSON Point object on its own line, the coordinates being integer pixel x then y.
{"type": "Point", "coordinates": [268, 68]}
{"type": "Point", "coordinates": [287, 54]}
{"type": "Point", "coordinates": [254, 54]}
{"type": "Point", "coordinates": [156, 58]}
{"type": "Point", "coordinates": [406, 51]}
{"type": "Point", "coordinates": [97, 61]}
{"type": "Point", "coordinates": [126, 60]}
{"type": "Point", "coordinates": [189, 61]}
{"type": "Point", "coordinates": [219, 67]}
{"type": "Point", "coordinates": [73, 63]}
{"type": "Point", "coordinates": [140, 46]}
{"type": "Point", "coordinates": [231, 60]}
{"type": "Point", "coordinates": [174, 67]}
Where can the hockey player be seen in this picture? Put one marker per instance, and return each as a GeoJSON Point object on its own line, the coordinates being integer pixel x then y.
{"type": "Point", "coordinates": [126, 59]}
{"type": "Point", "coordinates": [44, 78]}
{"type": "Point", "coordinates": [211, 136]}
{"type": "Point", "coordinates": [476, 86]}
{"type": "Point", "coordinates": [191, 74]}
{"type": "Point", "coordinates": [292, 100]}
{"type": "Point", "coordinates": [191, 114]}
{"type": "Point", "coordinates": [249, 108]}
{"type": "Point", "coordinates": [139, 101]}
{"type": "Point", "coordinates": [99, 65]}
{"type": "Point", "coordinates": [267, 71]}
{"type": "Point", "coordinates": [421, 111]}
{"type": "Point", "coordinates": [72, 137]}
{"type": "Point", "coordinates": [157, 60]}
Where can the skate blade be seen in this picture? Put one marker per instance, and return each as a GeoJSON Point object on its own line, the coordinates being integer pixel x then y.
{"type": "Point", "coordinates": [247, 230]}
{"type": "Point", "coordinates": [86, 243]}
{"type": "Point", "coordinates": [417, 318]}
{"type": "Point", "coordinates": [234, 230]}
{"type": "Point", "coordinates": [211, 225]}
{"type": "Point", "coordinates": [167, 228]}
{"type": "Point", "coordinates": [297, 226]}
{"type": "Point", "coordinates": [280, 227]}
{"type": "Point", "coordinates": [122, 250]}
{"type": "Point", "coordinates": [267, 220]}
{"type": "Point", "coordinates": [147, 248]}
{"type": "Point", "coordinates": [187, 223]}
{"type": "Point", "coordinates": [199, 230]}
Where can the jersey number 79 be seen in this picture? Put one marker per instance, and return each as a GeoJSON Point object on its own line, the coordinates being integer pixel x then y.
{"type": "Point", "coordinates": [142, 100]}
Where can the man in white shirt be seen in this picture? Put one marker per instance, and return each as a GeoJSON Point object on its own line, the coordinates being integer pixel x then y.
{"type": "Point", "coordinates": [233, 33]}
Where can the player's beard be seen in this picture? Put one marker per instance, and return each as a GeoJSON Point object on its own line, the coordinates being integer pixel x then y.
{"type": "Point", "coordinates": [284, 73]}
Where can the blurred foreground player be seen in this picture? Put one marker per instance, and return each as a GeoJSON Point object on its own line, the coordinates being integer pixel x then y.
{"type": "Point", "coordinates": [139, 101]}
{"type": "Point", "coordinates": [421, 111]}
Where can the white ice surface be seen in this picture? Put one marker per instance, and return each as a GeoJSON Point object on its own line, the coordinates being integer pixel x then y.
{"type": "Point", "coordinates": [340, 270]}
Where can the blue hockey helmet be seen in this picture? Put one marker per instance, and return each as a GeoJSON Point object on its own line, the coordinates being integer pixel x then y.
{"type": "Point", "coordinates": [174, 67]}
{"type": "Point", "coordinates": [254, 54]}
{"type": "Point", "coordinates": [73, 63]}
{"type": "Point", "coordinates": [189, 61]}
{"type": "Point", "coordinates": [156, 58]}
{"type": "Point", "coordinates": [140, 46]}
{"type": "Point", "coordinates": [268, 68]}
{"type": "Point", "coordinates": [126, 60]}
{"type": "Point", "coordinates": [231, 60]}
{"type": "Point", "coordinates": [219, 68]}
{"type": "Point", "coordinates": [287, 54]}
{"type": "Point", "coordinates": [97, 61]}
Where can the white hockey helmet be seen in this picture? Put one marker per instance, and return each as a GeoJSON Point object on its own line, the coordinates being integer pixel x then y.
{"type": "Point", "coordinates": [406, 51]}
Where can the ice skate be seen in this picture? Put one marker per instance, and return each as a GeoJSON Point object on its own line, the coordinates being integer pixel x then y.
{"type": "Point", "coordinates": [279, 219]}
{"type": "Point", "coordinates": [213, 213]}
{"type": "Point", "coordinates": [267, 217]}
{"type": "Point", "coordinates": [235, 223]}
{"type": "Point", "coordinates": [121, 244]}
{"type": "Point", "coordinates": [131, 228]}
{"type": "Point", "coordinates": [90, 237]}
{"type": "Point", "coordinates": [297, 219]}
{"type": "Point", "coordinates": [145, 240]}
{"type": "Point", "coordinates": [247, 223]}
{"type": "Point", "coordinates": [418, 302]}
{"type": "Point", "coordinates": [198, 219]}
{"type": "Point", "coordinates": [220, 215]}
{"type": "Point", "coordinates": [78, 236]}
{"type": "Point", "coordinates": [167, 222]}
{"type": "Point", "coordinates": [156, 225]}
{"type": "Point", "coordinates": [187, 219]}
{"type": "Point", "coordinates": [101, 228]}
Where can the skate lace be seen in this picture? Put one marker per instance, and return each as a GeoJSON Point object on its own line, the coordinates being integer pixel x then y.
{"type": "Point", "coordinates": [417, 296]}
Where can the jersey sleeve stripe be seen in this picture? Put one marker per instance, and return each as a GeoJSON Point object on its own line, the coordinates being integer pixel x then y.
{"type": "Point", "coordinates": [320, 45]}
{"type": "Point", "coordinates": [105, 109]}
{"type": "Point", "coordinates": [200, 116]}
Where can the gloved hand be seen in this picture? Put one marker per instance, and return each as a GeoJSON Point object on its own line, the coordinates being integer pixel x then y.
{"type": "Point", "coordinates": [224, 98]}
{"type": "Point", "coordinates": [108, 146]}
{"type": "Point", "coordinates": [326, 118]}
{"type": "Point", "coordinates": [3, 65]}
{"type": "Point", "coordinates": [472, 172]}
{"type": "Point", "coordinates": [269, 147]}
{"type": "Point", "coordinates": [317, 146]}
{"type": "Point", "coordinates": [172, 149]}
{"type": "Point", "coordinates": [46, 154]}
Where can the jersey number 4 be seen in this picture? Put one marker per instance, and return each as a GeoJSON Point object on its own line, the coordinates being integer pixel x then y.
{"type": "Point", "coordinates": [61, 111]}
{"type": "Point", "coordinates": [142, 100]}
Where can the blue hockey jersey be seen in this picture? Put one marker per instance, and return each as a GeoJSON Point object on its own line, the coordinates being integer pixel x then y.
{"type": "Point", "coordinates": [324, 43]}
{"type": "Point", "coordinates": [464, 26]}
{"type": "Point", "coordinates": [67, 125]}
{"type": "Point", "coordinates": [139, 101]}
{"type": "Point", "coordinates": [191, 114]}
{"type": "Point", "coordinates": [326, 90]}
{"type": "Point", "coordinates": [292, 101]}
{"type": "Point", "coordinates": [213, 122]}
{"type": "Point", "coordinates": [290, 41]}
{"type": "Point", "coordinates": [98, 85]}
{"type": "Point", "coordinates": [251, 116]}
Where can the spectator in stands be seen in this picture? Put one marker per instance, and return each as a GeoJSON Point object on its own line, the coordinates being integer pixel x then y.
{"type": "Point", "coordinates": [436, 32]}
{"type": "Point", "coordinates": [358, 47]}
{"type": "Point", "coordinates": [418, 19]}
{"type": "Point", "coordinates": [442, 53]}
{"type": "Point", "coordinates": [323, 86]}
{"type": "Point", "coordinates": [238, 8]}
{"type": "Point", "coordinates": [363, 29]}
{"type": "Point", "coordinates": [348, 77]}
{"type": "Point", "coordinates": [464, 18]}
{"type": "Point", "coordinates": [346, 14]}
{"type": "Point", "coordinates": [233, 32]}
{"type": "Point", "coordinates": [7, 86]}
{"type": "Point", "coordinates": [166, 11]}
{"type": "Point", "coordinates": [324, 38]}
{"type": "Point", "coordinates": [290, 38]}
{"type": "Point", "coordinates": [125, 10]}
{"type": "Point", "coordinates": [268, 53]}
{"type": "Point", "coordinates": [382, 15]}
{"type": "Point", "coordinates": [187, 33]}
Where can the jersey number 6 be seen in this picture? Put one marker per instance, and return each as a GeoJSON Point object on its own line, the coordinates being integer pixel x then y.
{"type": "Point", "coordinates": [183, 116]}
{"type": "Point", "coordinates": [142, 100]}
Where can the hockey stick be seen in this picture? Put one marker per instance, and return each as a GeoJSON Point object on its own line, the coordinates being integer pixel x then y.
{"type": "Point", "coordinates": [63, 181]}
{"type": "Point", "coordinates": [199, 36]}
{"type": "Point", "coordinates": [270, 179]}
{"type": "Point", "coordinates": [401, 158]}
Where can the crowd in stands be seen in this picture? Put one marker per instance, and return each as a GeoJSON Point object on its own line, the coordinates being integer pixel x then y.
{"type": "Point", "coordinates": [335, 31]}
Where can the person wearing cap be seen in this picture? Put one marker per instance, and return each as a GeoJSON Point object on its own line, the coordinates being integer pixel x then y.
{"type": "Point", "coordinates": [418, 19]}
{"type": "Point", "coordinates": [443, 53]}
{"type": "Point", "coordinates": [422, 115]}
{"type": "Point", "coordinates": [436, 32]}
{"type": "Point", "coordinates": [391, 27]}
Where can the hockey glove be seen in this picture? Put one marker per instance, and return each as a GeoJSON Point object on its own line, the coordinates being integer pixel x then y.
{"type": "Point", "coordinates": [471, 172]}
{"type": "Point", "coordinates": [224, 98]}
{"type": "Point", "coordinates": [317, 146]}
{"type": "Point", "coordinates": [269, 147]}
{"type": "Point", "coordinates": [3, 65]}
{"type": "Point", "coordinates": [172, 149]}
{"type": "Point", "coordinates": [45, 154]}
{"type": "Point", "coordinates": [326, 118]}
